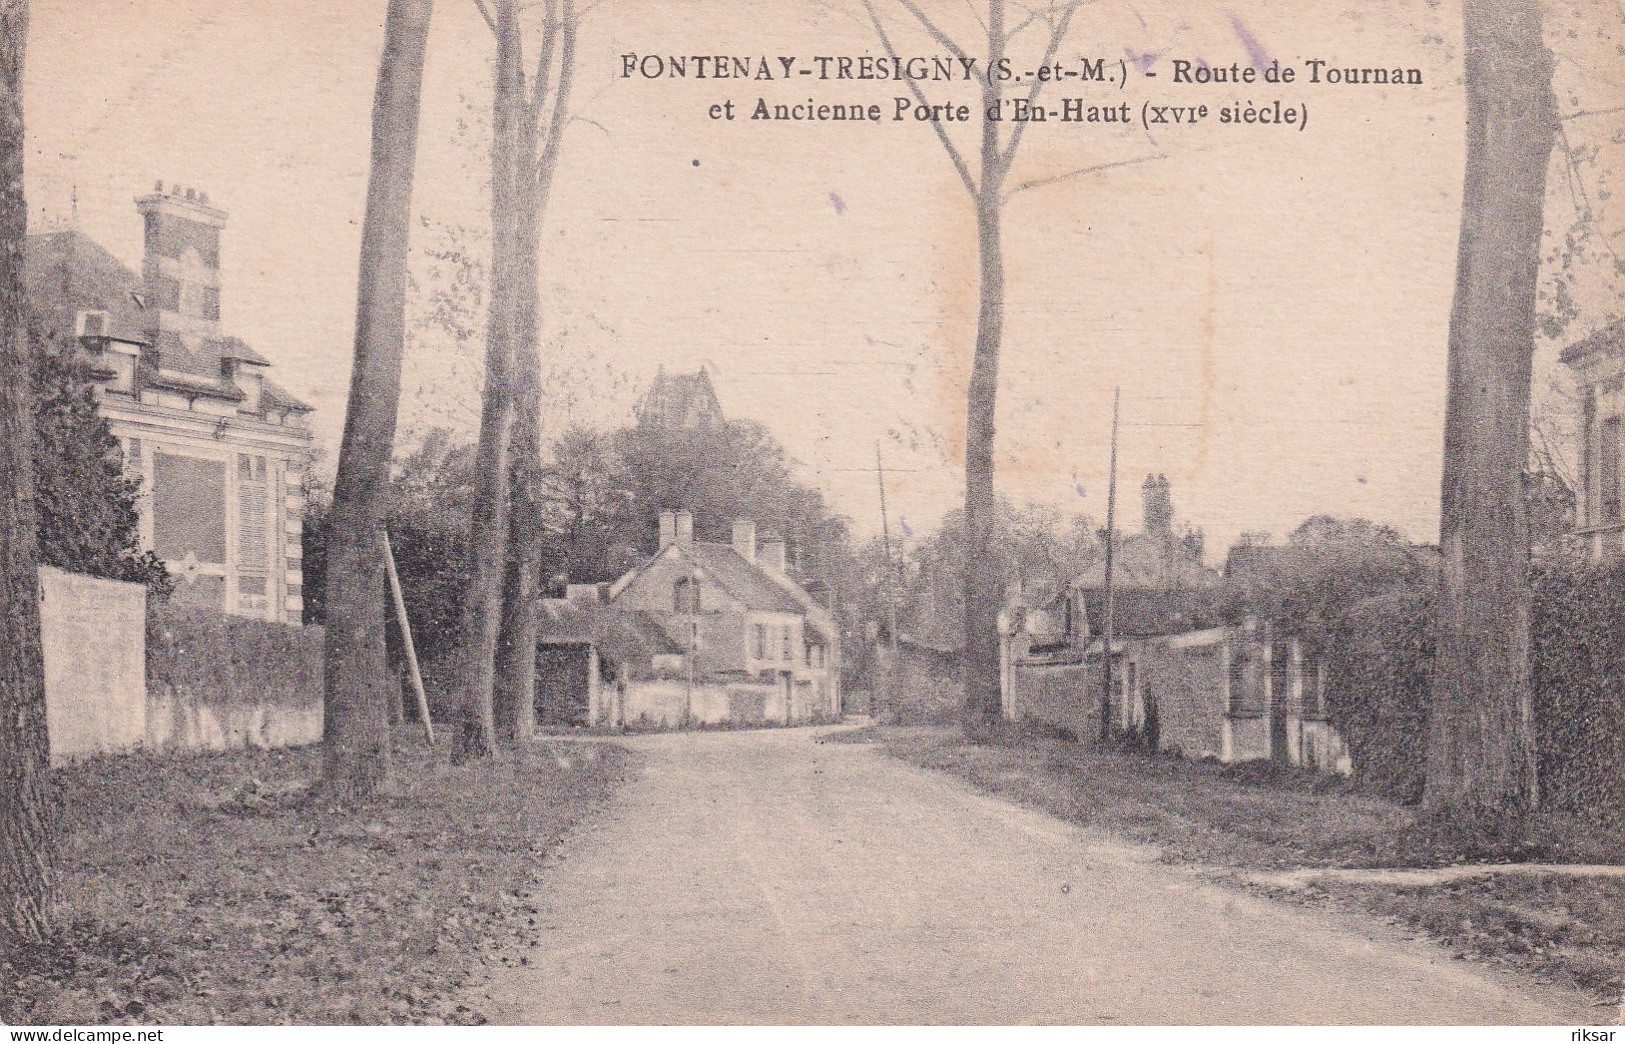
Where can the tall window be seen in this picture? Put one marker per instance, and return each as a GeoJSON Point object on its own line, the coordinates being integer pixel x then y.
{"type": "Point", "coordinates": [685, 595]}
{"type": "Point", "coordinates": [1608, 472]}
{"type": "Point", "coordinates": [785, 653]}
{"type": "Point", "coordinates": [761, 641]}
{"type": "Point", "coordinates": [253, 543]}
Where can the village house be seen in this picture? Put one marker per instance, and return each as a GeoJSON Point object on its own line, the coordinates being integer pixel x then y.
{"type": "Point", "coordinates": [1598, 363]}
{"type": "Point", "coordinates": [700, 632]}
{"type": "Point", "coordinates": [220, 448]}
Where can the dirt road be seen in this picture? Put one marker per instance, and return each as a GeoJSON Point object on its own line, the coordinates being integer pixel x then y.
{"type": "Point", "coordinates": [763, 877]}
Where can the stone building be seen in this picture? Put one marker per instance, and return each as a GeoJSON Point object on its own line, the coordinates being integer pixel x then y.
{"type": "Point", "coordinates": [1599, 367]}
{"type": "Point", "coordinates": [221, 449]}
{"type": "Point", "coordinates": [681, 402]}
{"type": "Point", "coordinates": [736, 637]}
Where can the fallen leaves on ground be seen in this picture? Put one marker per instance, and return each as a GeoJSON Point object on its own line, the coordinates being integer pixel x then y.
{"type": "Point", "coordinates": [206, 888]}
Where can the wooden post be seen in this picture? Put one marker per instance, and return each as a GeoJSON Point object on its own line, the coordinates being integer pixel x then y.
{"type": "Point", "coordinates": [406, 637]}
{"type": "Point", "coordinates": [1106, 625]}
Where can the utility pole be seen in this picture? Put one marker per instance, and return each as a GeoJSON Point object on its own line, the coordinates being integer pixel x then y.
{"type": "Point", "coordinates": [1111, 540]}
{"type": "Point", "coordinates": [894, 578]}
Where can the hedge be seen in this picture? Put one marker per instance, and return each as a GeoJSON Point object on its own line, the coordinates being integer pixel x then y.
{"type": "Point", "coordinates": [1380, 659]}
{"type": "Point", "coordinates": [221, 660]}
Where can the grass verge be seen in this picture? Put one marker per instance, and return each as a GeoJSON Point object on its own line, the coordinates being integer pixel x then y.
{"type": "Point", "coordinates": [200, 889]}
{"type": "Point", "coordinates": [1248, 818]}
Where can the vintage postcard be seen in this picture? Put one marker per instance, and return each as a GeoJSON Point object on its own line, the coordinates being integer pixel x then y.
{"type": "Point", "coordinates": [812, 512]}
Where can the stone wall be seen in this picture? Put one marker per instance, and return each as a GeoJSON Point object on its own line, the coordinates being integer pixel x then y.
{"type": "Point", "coordinates": [95, 664]}
{"type": "Point", "coordinates": [217, 682]}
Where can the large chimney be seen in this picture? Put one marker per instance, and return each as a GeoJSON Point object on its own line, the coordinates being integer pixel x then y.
{"type": "Point", "coordinates": [770, 552]}
{"type": "Point", "coordinates": [181, 264]}
{"type": "Point", "coordinates": [745, 539]}
{"type": "Point", "coordinates": [668, 529]}
{"type": "Point", "coordinates": [685, 527]}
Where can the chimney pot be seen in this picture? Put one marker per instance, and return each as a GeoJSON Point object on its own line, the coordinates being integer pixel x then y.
{"type": "Point", "coordinates": [685, 527]}
{"type": "Point", "coordinates": [770, 552]}
{"type": "Point", "coordinates": [668, 529]}
{"type": "Point", "coordinates": [745, 539]}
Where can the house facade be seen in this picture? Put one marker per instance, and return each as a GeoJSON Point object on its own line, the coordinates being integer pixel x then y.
{"type": "Point", "coordinates": [220, 448]}
{"type": "Point", "coordinates": [735, 637]}
{"type": "Point", "coordinates": [1598, 363]}
{"type": "Point", "coordinates": [739, 616]}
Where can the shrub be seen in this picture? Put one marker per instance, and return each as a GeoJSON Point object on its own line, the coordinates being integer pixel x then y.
{"type": "Point", "coordinates": [228, 660]}
{"type": "Point", "coordinates": [1577, 624]}
{"type": "Point", "coordinates": [1378, 663]}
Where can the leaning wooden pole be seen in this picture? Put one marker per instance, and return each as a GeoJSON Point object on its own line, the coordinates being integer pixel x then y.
{"type": "Point", "coordinates": [406, 635]}
{"type": "Point", "coordinates": [1106, 616]}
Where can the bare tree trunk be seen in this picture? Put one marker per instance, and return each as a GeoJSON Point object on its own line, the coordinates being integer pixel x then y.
{"type": "Point", "coordinates": [1481, 750]}
{"type": "Point", "coordinates": [516, 651]}
{"type": "Point", "coordinates": [355, 731]}
{"type": "Point", "coordinates": [983, 593]}
{"type": "Point", "coordinates": [515, 695]}
{"type": "Point", "coordinates": [27, 811]}
{"type": "Point", "coordinates": [488, 537]}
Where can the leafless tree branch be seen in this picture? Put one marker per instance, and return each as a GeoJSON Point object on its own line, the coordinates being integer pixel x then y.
{"type": "Point", "coordinates": [1582, 114]}
{"type": "Point", "coordinates": [544, 64]}
{"type": "Point", "coordinates": [548, 162]}
{"type": "Point", "coordinates": [932, 29]}
{"type": "Point", "coordinates": [942, 135]}
{"type": "Point", "coordinates": [485, 13]}
{"type": "Point", "coordinates": [976, 14]}
{"type": "Point", "coordinates": [1082, 172]}
{"type": "Point", "coordinates": [1057, 33]}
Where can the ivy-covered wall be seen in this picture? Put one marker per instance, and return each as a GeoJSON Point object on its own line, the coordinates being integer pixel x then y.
{"type": "Point", "coordinates": [216, 682]}
{"type": "Point", "coordinates": [1381, 655]}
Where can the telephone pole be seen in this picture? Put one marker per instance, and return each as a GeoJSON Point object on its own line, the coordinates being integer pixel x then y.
{"type": "Point", "coordinates": [1106, 623]}
{"type": "Point", "coordinates": [894, 575]}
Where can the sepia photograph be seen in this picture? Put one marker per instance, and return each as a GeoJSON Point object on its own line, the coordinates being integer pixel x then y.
{"type": "Point", "coordinates": [886, 513]}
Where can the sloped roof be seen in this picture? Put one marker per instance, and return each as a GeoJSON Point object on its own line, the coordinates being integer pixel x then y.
{"type": "Point", "coordinates": [274, 395]}
{"type": "Point", "coordinates": [65, 273]}
{"type": "Point", "coordinates": [1609, 338]}
{"type": "Point", "coordinates": [622, 635]}
{"type": "Point", "coordinates": [677, 401]}
{"type": "Point", "coordinates": [746, 581]}
{"type": "Point", "coordinates": [1146, 562]}
{"type": "Point", "coordinates": [1142, 613]}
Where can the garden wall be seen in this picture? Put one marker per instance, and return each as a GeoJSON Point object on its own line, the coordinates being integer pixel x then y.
{"type": "Point", "coordinates": [95, 683]}
{"type": "Point", "coordinates": [218, 682]}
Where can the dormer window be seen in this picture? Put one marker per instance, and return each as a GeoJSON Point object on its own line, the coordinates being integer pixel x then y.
{"type": "Point", "coordinates": [94, 326]}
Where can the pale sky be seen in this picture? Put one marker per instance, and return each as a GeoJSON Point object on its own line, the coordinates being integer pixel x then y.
{"type": "Point", "coordinates": [1273, 304]}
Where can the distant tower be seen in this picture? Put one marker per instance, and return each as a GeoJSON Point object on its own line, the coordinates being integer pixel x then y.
{"type": "Point", "coordinates": [181, 265]}
{"type": "Point", "coordinates": [681, 402]}
{"type": "Point", "coordinates": [1158, 504]}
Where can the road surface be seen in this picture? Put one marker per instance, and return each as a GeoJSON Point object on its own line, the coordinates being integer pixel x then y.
{"type": "Point", "coordinates": [764, 877]}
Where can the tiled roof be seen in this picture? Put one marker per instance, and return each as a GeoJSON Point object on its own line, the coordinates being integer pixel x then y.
{"type": "Point", "coordinates": [677, 401]}
{"type": "Point", "coordinates": [65, 273]}
{"type": "Point", "coordinates": [278, 397]}
{"type": "Point", "coordinates": [744, 580]}
{"type": "Point", "coordinates": [622, 635]}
